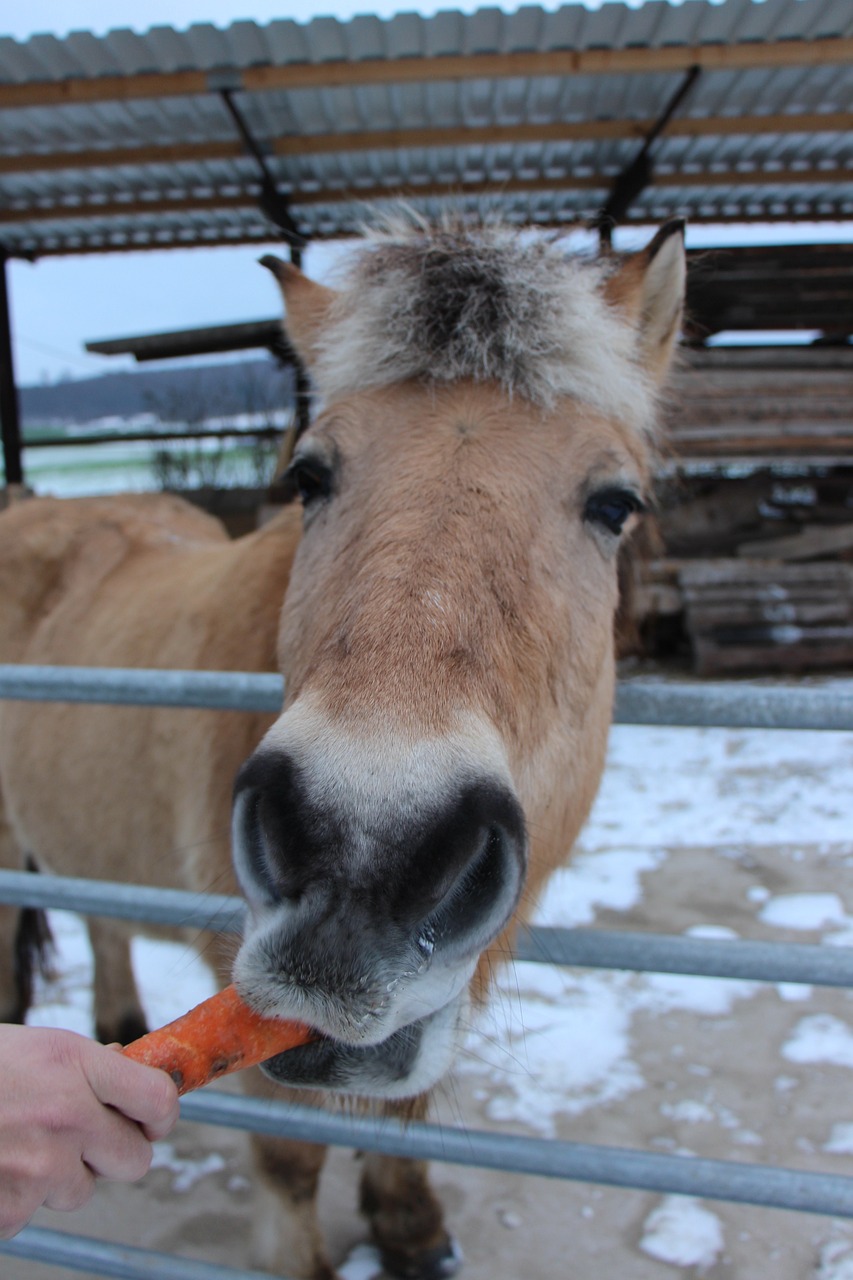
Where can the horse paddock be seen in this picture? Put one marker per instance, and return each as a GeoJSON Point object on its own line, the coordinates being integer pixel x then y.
{"type": "Point", "coordinates": [705, 831]}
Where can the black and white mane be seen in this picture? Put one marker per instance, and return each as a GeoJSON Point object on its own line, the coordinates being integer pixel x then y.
{"type": "Point", "coordinates": [486, 303]}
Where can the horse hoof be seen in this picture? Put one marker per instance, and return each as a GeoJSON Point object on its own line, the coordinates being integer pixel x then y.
{"type": "Point", "coordinates": [434, 1264]}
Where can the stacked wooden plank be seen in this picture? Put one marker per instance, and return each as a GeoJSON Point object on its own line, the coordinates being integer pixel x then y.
{"type": "Point", "coordinates": [773, 403]}
{"type": "Point", "coordinates": [759, 615]}
{"type": "Point", "coordinates": [755, 571]}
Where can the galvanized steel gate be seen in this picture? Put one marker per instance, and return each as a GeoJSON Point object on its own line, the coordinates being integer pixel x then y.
{"type": "Point", "coordinates": [662, 703]}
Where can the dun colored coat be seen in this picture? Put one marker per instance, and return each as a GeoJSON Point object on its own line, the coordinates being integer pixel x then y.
{"type": "Point", "coordinates": [446, 637]}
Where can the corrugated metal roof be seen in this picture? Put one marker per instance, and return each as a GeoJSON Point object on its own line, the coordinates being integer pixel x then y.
{"type": "Point", "coordinates": [125, 140]}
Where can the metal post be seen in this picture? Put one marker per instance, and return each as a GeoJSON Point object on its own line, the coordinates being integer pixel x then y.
{"type": "Point", "coordinates": [303, 382]}
{"type": "Point", "coordinates": [10, 421]}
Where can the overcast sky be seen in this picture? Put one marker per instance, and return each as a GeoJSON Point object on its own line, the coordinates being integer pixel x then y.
{"type": "Point", "coordinates": [60, 303]}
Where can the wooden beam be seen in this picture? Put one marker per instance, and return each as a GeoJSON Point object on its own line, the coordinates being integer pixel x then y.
{"type": "Point", "coordinates": [405, 139]}
{"type": "Point", "coordinates": [101, 209]}
{"type": "Point", "coordinates": [114, 157]}
{"type": "Point", "coordinates": [263, 236]}
{"type": "Point", "coordinates": [450, 67]}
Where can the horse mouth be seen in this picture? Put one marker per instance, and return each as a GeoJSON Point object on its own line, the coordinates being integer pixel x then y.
{"type": "Point", "coordinates": [407, 1062]}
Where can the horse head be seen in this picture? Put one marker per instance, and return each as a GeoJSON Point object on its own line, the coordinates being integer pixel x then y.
{"type": "Point", "coordinates": [483, 449]}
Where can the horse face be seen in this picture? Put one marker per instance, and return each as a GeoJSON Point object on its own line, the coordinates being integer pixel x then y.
{"type": "Point", "coordinates": [447, 648]}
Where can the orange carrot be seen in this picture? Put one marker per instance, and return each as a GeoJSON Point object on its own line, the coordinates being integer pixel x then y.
{"type": "Point", "coordinates": [218, 1036]}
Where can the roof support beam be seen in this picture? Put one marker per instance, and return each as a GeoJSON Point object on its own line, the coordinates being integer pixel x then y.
{"type": "Point", "coordinates": [99, 243]}
{"type": "Point", "coordinates": [639, 174]}
{"type": "Point", "coordinates": [139, 207]}
{"type": "Point", "coordinates": [307, 75]}
{"type": "Point", "coordinates": [401, 139]}
{"type": "Point", "coordinates": [272, 203]}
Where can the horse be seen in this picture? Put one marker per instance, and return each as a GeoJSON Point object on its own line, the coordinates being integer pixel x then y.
{"type": "Point", "coordinates": [440, 601]}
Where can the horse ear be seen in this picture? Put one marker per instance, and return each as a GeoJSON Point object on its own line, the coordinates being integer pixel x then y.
{"type": "Point", "coordinates": [649, 288]}
{"type": "Point", "coordinates": [306, 306]}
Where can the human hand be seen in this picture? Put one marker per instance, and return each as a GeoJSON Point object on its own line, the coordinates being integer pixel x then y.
{"type": "Point", "coordinates": [72, 1111]}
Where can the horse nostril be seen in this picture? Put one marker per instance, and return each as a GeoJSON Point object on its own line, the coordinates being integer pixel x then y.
{"type": "Point", "coordinates": [253, 842]}
{"type": "Point", "coordinates": [480, 854]}
{"type": "Point", "coordinates": [271, 832]}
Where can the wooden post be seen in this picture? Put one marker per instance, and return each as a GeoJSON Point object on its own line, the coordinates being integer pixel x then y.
{"type": "Point", "coordinates": [10, 421]}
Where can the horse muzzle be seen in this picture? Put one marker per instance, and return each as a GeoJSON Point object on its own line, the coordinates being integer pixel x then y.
{"type": "Point", "coordinates": [368, 914]}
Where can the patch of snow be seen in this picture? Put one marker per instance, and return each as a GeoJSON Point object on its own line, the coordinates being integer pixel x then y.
{"type": "Point", "coordinates": [682, 1232]}
{"type": "Point", "coordinates": [552, 1043]}
{"type": "Point", "coordinates": [688, 1111]}
{"type": "Point", "coordinates": [840, 1140]}
{"type": "Point", "coordinates": [820, 1038]}
{"type": "Point", "coordinates": [784, 1084]}
{"type": "Point", "coordinates": [836, 1261]}
{"type": "Point", "coordinates": [65, 999]}
{"type": "Point", "coordinates": [711, 997]}
{"type": "Point", "coordinates": [786, 785]}
{"type": "Point", "coordinates": [805, 911]}
{"type": "Point", "coordinates": [794, 992]}
{"type": "Point", "coordinates": [171, 978]}
{"type": "Point", "coordinates": [608, 879]}
{"type": "Point", "coordinates": [558, 1041]}
{"type": "Point", "coordinates": [363, 1263]}
{"type": "Point", "coordinates": [187, 1172]}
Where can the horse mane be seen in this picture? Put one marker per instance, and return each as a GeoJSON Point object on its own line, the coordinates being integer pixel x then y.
{"type": "Point", "coordinates": [490, 303]}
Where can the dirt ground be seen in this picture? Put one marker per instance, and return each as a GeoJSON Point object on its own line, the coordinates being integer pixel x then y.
{"type": "Point", "coordinates": [742, 1072]}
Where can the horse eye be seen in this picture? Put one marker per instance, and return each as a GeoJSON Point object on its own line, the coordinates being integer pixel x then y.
{"type": "Point", "coordinates": [309, 479]}
{"type": "Point", "coordinates": [611, 508]}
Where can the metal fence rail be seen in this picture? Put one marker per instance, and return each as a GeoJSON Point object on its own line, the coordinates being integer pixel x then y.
{"type": "Point", "coordinates": [642, 702]}
{"type": "Point", "coordinates": [717, 705]}
{"type": "Point", "coordinates": [121, 1261]}
{"type": "Point", "coordinates": [579, 948]}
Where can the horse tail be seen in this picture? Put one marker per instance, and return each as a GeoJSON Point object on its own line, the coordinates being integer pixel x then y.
{"type": "Point", "coordinates": [34, 952]}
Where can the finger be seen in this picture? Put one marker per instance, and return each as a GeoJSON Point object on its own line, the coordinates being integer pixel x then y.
{"type": "Point", "coordinates": [73, 1190]}
{"type": "Point", "coordinates": [117, 1149]}
{"type": "Point", "coordinates": [18, 1203]}
{"type": "Point", "coordinates": [138, 1092]}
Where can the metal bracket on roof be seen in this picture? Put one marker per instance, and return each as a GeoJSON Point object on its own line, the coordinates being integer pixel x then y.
{"type": "Point", "coordinates": [637, 175]}
{"type": "Point", "coordinates": [273, 204]}
{"type": "Point", "coordinates": [224, 78]}
{"type": "Point", "coordinates": [10, 414]}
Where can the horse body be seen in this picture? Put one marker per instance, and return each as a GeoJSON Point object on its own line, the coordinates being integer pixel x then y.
{"type": "Point", "coordinates": [134, 793]}
{"type": "Point", "coordinates": [447, 646]}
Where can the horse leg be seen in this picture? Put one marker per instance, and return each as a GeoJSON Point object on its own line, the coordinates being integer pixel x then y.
{"type": "Point", "coordinates": [286, 1236]}
{"type": "Point", "coordinates": [24, 938]}
{"type": "Point", "coordinates": [13, 1000]}
{"type": "Point", "coordinates": [406, 1219]}
{"type": "Point", "coordinates": [14, 993]}
{"type": "Point", "coordinates": [118, 1009]}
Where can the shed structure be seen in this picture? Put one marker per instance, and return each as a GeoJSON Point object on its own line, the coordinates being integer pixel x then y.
{"type": "Point", "coordinates": [733, 112]}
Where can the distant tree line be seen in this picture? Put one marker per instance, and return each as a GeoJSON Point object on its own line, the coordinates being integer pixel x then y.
{"type": "Point", "coordinates": [187, 394]}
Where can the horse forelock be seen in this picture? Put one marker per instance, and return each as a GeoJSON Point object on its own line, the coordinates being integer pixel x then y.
{"type": "Point", "coordinates": [450, 302]}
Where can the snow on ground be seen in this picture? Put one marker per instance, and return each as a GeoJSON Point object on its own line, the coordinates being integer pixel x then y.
{"type": "Point", "coordinates": [683, 1233]}
{"type": "Point", "coordinates": [836, 1261]}
{"type": "Point", "coordinates": [557, 1043]}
